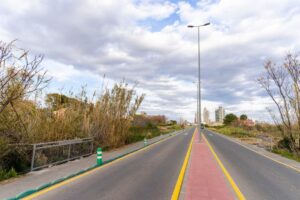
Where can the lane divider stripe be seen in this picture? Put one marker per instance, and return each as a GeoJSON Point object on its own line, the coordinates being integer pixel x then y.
{"type": "Point", "coordinates": [226, 173]}
{"type": "Point", "coordinates": [179, 182]}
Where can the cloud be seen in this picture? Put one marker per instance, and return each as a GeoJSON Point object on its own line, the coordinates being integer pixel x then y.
{"type": "Point", "coordinates": [92, 38]}
{"type": "Point", "coordinates": [60, 72]}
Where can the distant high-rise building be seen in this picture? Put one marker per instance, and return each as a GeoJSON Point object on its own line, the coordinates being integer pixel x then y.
{"type": "Point", "coordinates": [220, 114]}
{"type": "Point", "coordinates": [206, 116]}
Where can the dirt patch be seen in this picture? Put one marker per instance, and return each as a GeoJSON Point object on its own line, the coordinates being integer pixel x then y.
{"type": "Point", "coordinates": [253, 141]}
{"type": "Point", "coordinates": [260, 140]}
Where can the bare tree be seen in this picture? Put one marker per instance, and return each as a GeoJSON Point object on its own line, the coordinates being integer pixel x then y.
{"type": "Point", "coordinates": [281, 83]}
{"type": "Point", "coordinates": [20, 74]}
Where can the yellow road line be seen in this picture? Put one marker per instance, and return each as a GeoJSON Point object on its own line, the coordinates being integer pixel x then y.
{"type": "Point", "coordinates": [226, 173]}
{"type": "Point", "coordinates": [178, 185]}
{"type": "Point", "coordinates": [261, 154]}
{"type": "Point", "coordinates": [39, 193]}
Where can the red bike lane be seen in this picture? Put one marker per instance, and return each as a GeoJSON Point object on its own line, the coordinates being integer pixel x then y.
{"type": "Point", "coordinates": [205, 180]}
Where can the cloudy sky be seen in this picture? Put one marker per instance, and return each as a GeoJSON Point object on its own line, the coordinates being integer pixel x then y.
{"type": "Point", "coordinates": [146, 41]}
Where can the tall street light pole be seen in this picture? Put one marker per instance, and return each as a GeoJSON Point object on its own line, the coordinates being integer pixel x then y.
{"type": "Point", "coordinates": [199, 76]}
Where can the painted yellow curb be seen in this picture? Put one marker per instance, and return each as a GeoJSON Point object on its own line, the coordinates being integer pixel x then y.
{"type": "Point", "coordinates": [178, 185]}
{"type": "Point", "coordinates": [226, 173]}
{"type": "Point", "coordinates": [39, 193]}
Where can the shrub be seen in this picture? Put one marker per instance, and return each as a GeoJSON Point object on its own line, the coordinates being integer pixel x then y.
{"type": "Point", "coordinates": [229, 118]}
{"type": "Point", "coordinates": [243, 117]}
{"type": "Point", "coordinates": [234, 131]}
{"type": "Point", "coordinates": [143, 120]}
{"type": "Point", "coordinates": [286, 153]}
{"type": "Point", "coordinates": [7, 174]}
{"type": "Point", "coordinates": [284, 144]}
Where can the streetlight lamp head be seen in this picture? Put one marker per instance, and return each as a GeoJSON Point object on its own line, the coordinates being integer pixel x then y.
{"type": "Point", "coordinates": [206, 24]}
{"type": "Point", "coordinates": [190, 26]}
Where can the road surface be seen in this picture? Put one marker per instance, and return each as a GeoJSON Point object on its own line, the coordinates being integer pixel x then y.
{"type": "Point", "coordinates": [258, 177]}
{"type": "Point", "coordinates": [153, 172]}
{"type": "Point", "coordinates": [149, 174]}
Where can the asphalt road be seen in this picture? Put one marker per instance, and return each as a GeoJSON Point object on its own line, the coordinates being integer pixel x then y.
{"type": "Point", "coordinates": [149, 174]}
{"type": "Point", "coordinates": [258, 177]}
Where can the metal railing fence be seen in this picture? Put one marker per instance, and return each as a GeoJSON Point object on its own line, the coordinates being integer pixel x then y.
{"type": "Point", "coordinates": [52, 153]}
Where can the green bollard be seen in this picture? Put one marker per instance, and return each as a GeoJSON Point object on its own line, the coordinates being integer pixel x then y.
{"type": "Point", "coordinates": [145, 142]}
{"type": "Point", "coordinates": [99, 156]}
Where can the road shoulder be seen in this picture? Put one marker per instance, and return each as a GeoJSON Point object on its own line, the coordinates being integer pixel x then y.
{"type": "Point", "coordinates": [292, 164]}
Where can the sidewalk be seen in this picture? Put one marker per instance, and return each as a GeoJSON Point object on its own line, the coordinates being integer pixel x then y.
{"type": "Point", "coordinates": [205, 180]}
{"type": "Point", "coordinates": [13, 187]}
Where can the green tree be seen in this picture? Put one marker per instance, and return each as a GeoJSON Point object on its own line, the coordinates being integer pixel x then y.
{"type": "Point", "coordinates": [173, 122]}
{"type": "Point", "coordinates": [229, 118]}
{"type": "Point", "coordinates": [243, 117]}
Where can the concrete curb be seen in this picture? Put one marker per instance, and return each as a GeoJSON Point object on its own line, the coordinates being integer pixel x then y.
{"type": "Point", "coordinates": [31, 191]}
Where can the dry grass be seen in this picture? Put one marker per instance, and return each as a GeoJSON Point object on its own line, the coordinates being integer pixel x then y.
{"type": "Point", "coordinates": [106, 118]}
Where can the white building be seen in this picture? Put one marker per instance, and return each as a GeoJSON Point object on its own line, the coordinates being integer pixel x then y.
{"type": "Point", "coordinates": [206, 116]}
{"type": "Point", "coordinates": [220, 114]}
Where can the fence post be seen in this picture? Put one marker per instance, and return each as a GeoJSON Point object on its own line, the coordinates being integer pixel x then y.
{"type": "Point", "coordinates": [69, 152]}
{"type": "Point", "coordinates": [92, 147]}
{"type": "Point", "coordinates": [32, 158]}
{"type": "Point", "coordinates": [99, 156]}
{"type": "Point", "coordinates": [145, 142]}
{"type": "Point", "coordinates": [271, 146]}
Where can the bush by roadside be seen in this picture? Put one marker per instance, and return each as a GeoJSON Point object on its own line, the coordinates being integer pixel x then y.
{"type": "Point", "coordinates": [150, 131]}
{"type": "Point", "coordinates": [234, 131]}
{"type": "Point", "coordinates": [287, 154]}
{"type": "Point", "coordinates": [4, 174]}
